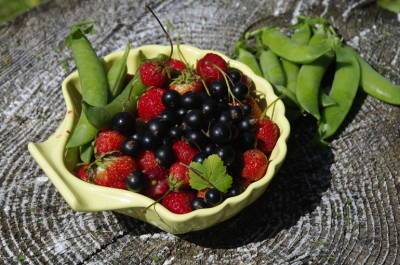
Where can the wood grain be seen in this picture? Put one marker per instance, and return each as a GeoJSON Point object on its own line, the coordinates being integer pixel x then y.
{"type": "Point", "coordinates": [326, 206]}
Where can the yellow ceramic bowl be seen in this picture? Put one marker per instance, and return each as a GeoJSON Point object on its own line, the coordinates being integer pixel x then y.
{"type": "Point", "coordinates": [82, 196]}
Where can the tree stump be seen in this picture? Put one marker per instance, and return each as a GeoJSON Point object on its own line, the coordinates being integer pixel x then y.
{"type": "Point", "coordinates": [326, 206]}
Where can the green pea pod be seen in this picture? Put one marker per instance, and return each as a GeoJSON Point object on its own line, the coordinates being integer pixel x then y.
{"type": "Point", "coordinates": [84, 131]}
{"type": "Point", "coordinates": [271, 68]}
{"type": "Point", "coordinates": [126, 101]}
{"type": "Point", "coordinates": [377, 86]}
{"type": "Point", "coordinates": [303, 34]}
{"type": "Point", "coordinates": [86, 152]}
{"type": "Point", "coordinates": [291, 50]}
{"type": "Point", "coordinates": [391, 5]}
{"type": "Point", "coordinates": [92, 76]}
{"type": "Point", "coordinates": [291, 71]}
{"type": "Point", "coordinates": [344, 89]}
{"type": "Point", "coordinates": [117, 73]}
{"type": "Point", "coordinates": [250, 60]}
{"type": "Point", "coordinates": [310, 77]}
{"type": "Point", "coordinates": [327, 101]}
{"type": "Point", "coordinates": [288, 94]}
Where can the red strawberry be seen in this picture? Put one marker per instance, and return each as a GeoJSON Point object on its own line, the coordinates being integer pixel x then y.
{"type": "Point", "coordinates": [267, 135]}
{"type": "Point", "coordinates": [207, 67]}
{"type": "Point", "coordinates": [156, 188]}
{"type": "Point", "coordinates": [109, 141]}
{"type": "Point", "coordinates": [150, 105]}
{"type": "Point", "coordinates": [184, 152]}
{"type": "Point", "coordinates": [147, 162]}
{"type": "Point", "coordinates": [178, 202]}
{"type": "Point", "coordinates": [82, 172]}
{"type": "Point", "coordinates": [113, 171]}
{"type": "Point", "coordinates": [255, 164]}
{"type": "Point", "coordinates": [176, 65]}
{"type": "Point", "coordinates": [179, 173]}
{"type": "Point", "coordinates": [182, 88]}
{"type": "Point", "coordinates": [152, 74]}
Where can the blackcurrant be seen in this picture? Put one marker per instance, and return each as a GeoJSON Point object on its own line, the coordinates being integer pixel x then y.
{"type": "Point", "coordinates": [195, 137]}
{"type": "Point", "coordinates": [131, 147]}
{"type": "Point", "coordinates": [218, 89]}
{"type": "Point", "coordinates": [247, 140]}
{"type": "Point", "coordinates": [136, 181]}
{"type": "Point", "coordinates": [235, 113]}
{"type": "Point", "coordinates": [246, 108]}
{"type": "Point", "coordinates": [170, 116]}
{"type": "Point", "coordinates": [198, 203]}
{"type": "Point", "coordinates": [220, 133]}
{"type": "Point", "coordinates": [233, 191]}
{"type": "Point", "coordinates": [225, 117]}
{"type": "Point", "coordinates": [240, 91]}
{"type": "Point", "coordinates": [194, 118]}
{"type": "Point", "coordinates": [209, 107]}
{"type": "Point", "coordinates": [209, 149]}
{"type": "Point", "coordinates": [171, 99]}
{"type": "Point", "coordinates": [158, 126]}
{"type": "Point", "coordinates": [124, 122]}
{"type": "Point", "coordinates": [175, 132]}
{"type": "Point", "coordinates": [246, 124]}
{"type": "Point", "coordinates": [181, 113]}
{"type": "Point", "coordinates": [149, 141]}
{"type": "Point", "coordinates": [165, 155]}
{"type": "Point", "coordinates": [227, 154]}
{"type": "Point", "coordinates": [213, 196]}
{"type": "Point", "coordinates": [234, 75]}
{"type": "Point", "coordinates": [199, 158]}
{"type": "Point", "coordinates": [190, 100]}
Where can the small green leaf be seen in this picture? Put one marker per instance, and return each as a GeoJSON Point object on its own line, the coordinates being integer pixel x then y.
{"type": "Point", "coordinates": [197, 175]}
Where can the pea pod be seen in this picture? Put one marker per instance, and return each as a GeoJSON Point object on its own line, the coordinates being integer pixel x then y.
{"type": "Point", "coordinates": [92, 76]}
{"type": "Point", "coordinates": [376, 85]}
{"type": "Point", "coordinates": [291, 71]}
{"type": "Point", "coordinates": [250, 60]}
{"type": "Point", "coordinates": [86, 152]}
{"type": "Point", "coordinates": [291, 50]}
{"type": "Point", "coordinates": [117, 73]}
{"type": "Point", "coordinates": [303, 34]}
{"type": "Point", "coordinates": [327, 101]}
{"type": "Point", "coordinates": [126, 101]}
{"type": "Point", "coordinates": [83, 132]}
{"type": "Point", "coordinates": [288, 94]}
{"type": "Point", "coordinates": [310, 77]}
{"type": "Point", "coordinates": [271, 68]}
{"type": "Point", "coordinates": [344, 89]}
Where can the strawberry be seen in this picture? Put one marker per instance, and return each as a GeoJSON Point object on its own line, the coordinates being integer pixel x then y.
{"type": "Point", "coordinates": [156, 188]}
{"type": "Point", "coordinates": [187, 81]}
{"type": "Point", "coordinates": [147, 162]}
{"type": "Point", "coordinates": [109, 141]}
{"type": "Point", "coordinates": [82, 172]}
{"type": "Point", "coordinates": [178, 202]}
{"type": "Point", "coordinates": [184, 152]}
{"type": "Point", "coordinates": [113, 171]}
{"type": "Point", "coordinates": [255, 164]}
{"type": "Point", "coordinates": [150, 105]}
{"type": "Point", "coordinates": [152, 74]}
{"type": "Point", "coordinates": [267, 135]}
{"type": "Point", "coordinates": [209, 67]}
{"type": "Point", "coordinates": [176, 65]}
{"type": "Point", "coordinates": [178, 173]}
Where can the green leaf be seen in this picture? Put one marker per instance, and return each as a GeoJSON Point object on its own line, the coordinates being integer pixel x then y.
{"type": "Point", "coordinates": [391, 5]}
{"type": "Point", "coordinates": [197, 173]}
{"type": "Point", "coordinates": [210, 174]}
{"type": "Point", "coordinates": [117, 73]}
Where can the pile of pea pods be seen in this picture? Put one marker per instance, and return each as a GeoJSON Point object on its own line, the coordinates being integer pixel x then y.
{"type": "Point", "coordinates": [298, 67]}
{"type": "Point", "coordinates": [105, 90]}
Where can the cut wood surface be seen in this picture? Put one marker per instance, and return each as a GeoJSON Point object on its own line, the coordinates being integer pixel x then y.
{"type": "Point", "coordinates": [326, 206]}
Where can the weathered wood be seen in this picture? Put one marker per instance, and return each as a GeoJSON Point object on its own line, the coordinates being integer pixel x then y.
{"type": "Point", "coordinates": [333, 206]}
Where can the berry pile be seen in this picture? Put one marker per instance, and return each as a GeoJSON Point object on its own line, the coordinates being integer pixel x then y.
{"type": "Point", "coordinates": [196, 138]}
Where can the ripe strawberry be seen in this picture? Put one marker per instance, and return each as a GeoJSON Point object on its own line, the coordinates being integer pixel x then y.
{"type": "Point", "coordinates": [207, 67]}
{"type": "Point", "coordinates": [147, 162]}
{"type": "Point", "coordinates": [187, 81]}
{"type": "Point", "coordinates": [152, 74]}
{"type": "Point", "coordinates": [267, 135]}
{"type": "Point", "coordinates": [184, 152]}
{"type": "Point", "coordinates": [109, 141]}
{"type": "Point", "coordinates": [178, 173]}
{"type": "Point", "coordinates": [255, 164]}
{"type": "Point", "coordinates": [156, 188]}
{"type": "Point", "coordinates": [176, 65]}
{"type": "Point", "coordinates": [150, 105]}
{"type": "Point", "coordinates": [113, 171]}
{"type": "Point", "coordinates": [178, 202]}
{"type": "Point", "coordinates": [82, 172]}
